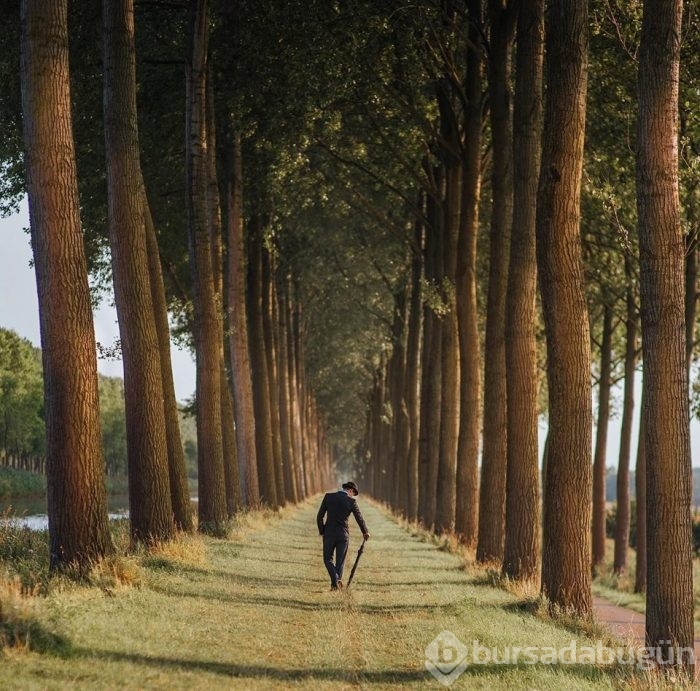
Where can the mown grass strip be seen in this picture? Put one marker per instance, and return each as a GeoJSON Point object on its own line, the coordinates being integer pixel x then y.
{"type": "Point", "coordinates": [255, 611]}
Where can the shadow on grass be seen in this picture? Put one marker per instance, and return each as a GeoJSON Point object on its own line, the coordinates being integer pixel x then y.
{"type": "Point", "coordinates": [397, 676]}
{"type": "Point", "coordinates": [317, 601]}
{"type": "Point", "coordinates": [32, 635]}
{"type": "Point", "coordinates": [252, 671]}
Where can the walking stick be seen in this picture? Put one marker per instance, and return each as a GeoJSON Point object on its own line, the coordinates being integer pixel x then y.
{"type": "Point", "coordinates": [357, 559]}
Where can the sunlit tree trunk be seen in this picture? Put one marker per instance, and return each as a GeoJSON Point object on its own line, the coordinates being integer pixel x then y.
{"type": "Point", "coordinates": [669, 620]}
{"type": "Point", "coordinates": [566, 559]}
{"type": "Point", "coordinates": [179, 489]}
{"type": "Point", "coordinates": [76, 497]}
{"type": "Point", "coordinates": [212, 491]}
{"type": "Point", "coordinates": [150, 504]}
{"type": "Point", "coordinates": [522, 526]}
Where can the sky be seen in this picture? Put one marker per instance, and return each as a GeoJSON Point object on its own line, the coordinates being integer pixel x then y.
{"type": "Point", "coordinates": [19, 311]}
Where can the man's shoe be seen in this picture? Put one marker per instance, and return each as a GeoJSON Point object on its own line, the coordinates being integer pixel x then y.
{"type": "Point", "coordinates": [340, 585]}
{"type": "Point", "coordinates": [334, 587]}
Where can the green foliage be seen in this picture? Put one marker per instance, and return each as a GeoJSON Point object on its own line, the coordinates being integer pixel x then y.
{"type": "Point", "coordinates": [20, 483]}
{"type": "Point", "coordinates": [113, 424]}
{"type": "Point", "coordinates": [21, 396]}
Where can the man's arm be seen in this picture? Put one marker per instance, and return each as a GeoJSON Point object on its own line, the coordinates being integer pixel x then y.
{"type": "Point", "coordinates": [320, 515]}
{"type": "Point", "coordinates": [360, 520]}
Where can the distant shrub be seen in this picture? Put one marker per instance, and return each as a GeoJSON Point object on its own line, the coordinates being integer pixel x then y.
{"type": "Point", "coordinates": [20, 483]}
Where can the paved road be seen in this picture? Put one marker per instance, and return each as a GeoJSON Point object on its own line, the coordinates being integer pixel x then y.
{"type": "Point", "coordinates": [629, 625]}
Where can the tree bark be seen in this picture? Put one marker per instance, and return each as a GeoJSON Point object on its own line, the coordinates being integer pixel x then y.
{"type": "Point", "coordinates": [271, 347]}
{"type": "Point", "coordinates": [566, 561]}
{"type": "Point", "coordinates": [285, 399]}
{"type": "Point", "coordinates": [212, 507]}
{"type": "Point", "coordinates": [446, 506]}
{"type": "Point", "coordinates": [241, 379]}
{"type": "Point", "coordinates": [622, 522]}
{"type": "Point", "coordinates": [261, 390]}
{"type": "Point", "coordinates": [522, 523]}
{"type": "Point", "coordinates": [467, 513]}
{"type": "Point", "coordinates": [601, 445]}
{"type": "Point", "coordinates": [494, 457]}
{"type": "Point", "coordinates": [640, 478]}
{"type": "Point", "coordinates": [669, 620]}
{"type": "Point", "coordinates": [150, 504]}
{"type": "Point", "coordinates": [228, 437]}
{"type": "Point", "coordinates": [179, 489]}
{"type": "Point", "coordinates": [431, 379]}
{"type": "Point", "coordinates": [413, 375]}
{"type": "Point", "coordinates": [76, 497]}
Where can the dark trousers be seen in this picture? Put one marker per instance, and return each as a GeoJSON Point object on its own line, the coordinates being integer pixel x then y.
{"type": "Point", "coordinates": [339, 545]}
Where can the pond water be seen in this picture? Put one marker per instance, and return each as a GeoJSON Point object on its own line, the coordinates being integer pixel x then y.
{"type": "Point", "coordinates": [32, 512]}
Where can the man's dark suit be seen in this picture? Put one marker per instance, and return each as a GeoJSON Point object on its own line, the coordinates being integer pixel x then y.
{"type": "Point", "coordinates": [336, 532]}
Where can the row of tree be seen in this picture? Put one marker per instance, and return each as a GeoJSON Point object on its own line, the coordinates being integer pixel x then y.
{"type": "Point", "coordinates": [260, 437]}
{"type": "Point", "coordinates": [425, 431]}
{"type": "Point", "coordinates": [372, 191]}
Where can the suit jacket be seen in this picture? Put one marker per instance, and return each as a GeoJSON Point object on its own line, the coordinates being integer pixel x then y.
{"type": "Point", "coordinates": [338, 505]}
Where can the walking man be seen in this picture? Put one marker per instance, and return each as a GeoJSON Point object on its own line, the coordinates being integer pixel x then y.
{"type": "Point", "coordinates": [337, 507]}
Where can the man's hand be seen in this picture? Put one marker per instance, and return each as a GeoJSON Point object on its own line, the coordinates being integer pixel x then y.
{"type": "Point", "coordinates": [366, 536]}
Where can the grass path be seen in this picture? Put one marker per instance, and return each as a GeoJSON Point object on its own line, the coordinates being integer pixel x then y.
{"type": "Point", "coordinates": [255, 612]}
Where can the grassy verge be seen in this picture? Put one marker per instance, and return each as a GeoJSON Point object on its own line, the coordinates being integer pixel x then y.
{"type": "Point", "coordinates": [255, 611]}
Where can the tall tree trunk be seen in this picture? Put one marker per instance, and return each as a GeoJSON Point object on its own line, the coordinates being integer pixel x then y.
{"type": "Point", "coordinates": [285, 398]}
{"type": "Point", "coordinates": [622, 522]}
{"type": "Point", "coordinates": [241, 379]}
{"type": "Point", "coordinates": [431, 382]}
{"type": "Point", "coordinates": [210, 453]}
{"type": "Point", "coordinates": [292, 341]}
{"type": "Point", "coordinates": [179, 489]}
{"type": "Point", "coordinates": [271, 347]}
{"type": "Point", "coordinates": [566, 560]}
{"type": "Point", "coordinates": [76, 497]}
{"type": "Point", "coordinates": [467, 513]}
{"type": "Point", "coordinates": [446, 506]}
{"type": "Point", "coordinates": [228, 437]}
{"type": "Point", "coordinates": [397, 375]}
{"type": "Point", "coordinates": [494, 457]}
{"type": "Point", "coordinates": [261, 390]}
{"type": "Point", "coordinates": [150, 504]}
{"type": "Point", "coordinates": [413, 375]}
{"type": "Point", "coordinates": [669, 620]}
{"type": "Point", "coordinates": [522, 529]}
{"type": "Point", "coordinates": [601, 444]}
{"type": "Point", "coordinates": [640, 478]}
